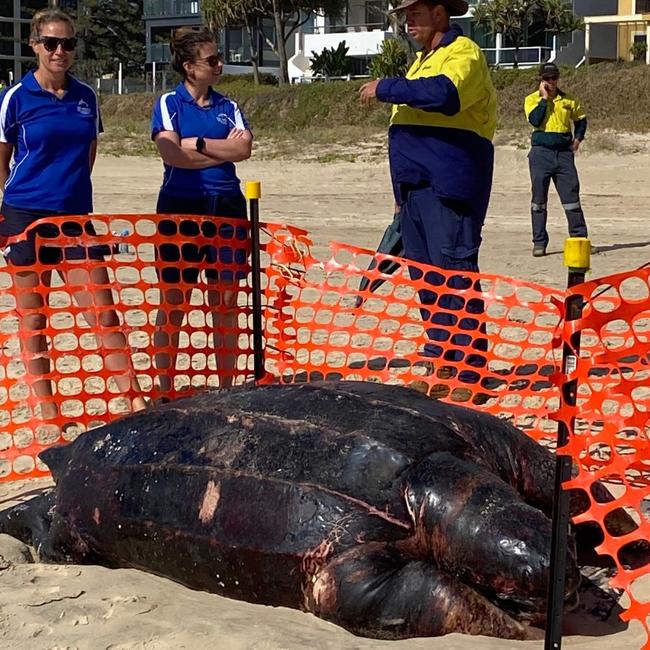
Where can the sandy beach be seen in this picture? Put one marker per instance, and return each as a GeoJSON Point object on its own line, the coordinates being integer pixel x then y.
{"type": "Point", "coordinates": [45, 606]}
{"type": "Point", "coordinates": [353, 203]}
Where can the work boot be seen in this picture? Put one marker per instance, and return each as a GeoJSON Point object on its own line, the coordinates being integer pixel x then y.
{"type": "Point", "coordinates": [539, 250]}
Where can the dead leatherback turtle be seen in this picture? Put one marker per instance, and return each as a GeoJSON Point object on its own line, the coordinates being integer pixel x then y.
{"type": "Point", "coordinates": [372, 506]}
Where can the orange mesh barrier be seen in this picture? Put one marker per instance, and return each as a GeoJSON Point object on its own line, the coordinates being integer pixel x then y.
{"type": "Point", "coordinates": [612, 421]}
{"type": "Point", "coordinates": [320, 326]}
{"type": "Point", "coordinates": [148, 311]}
{"type": "Point", "coordinates": [498, 347]}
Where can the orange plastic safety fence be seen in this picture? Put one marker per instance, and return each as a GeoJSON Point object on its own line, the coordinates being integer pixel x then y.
{"type": "Point", "coordinates": [611, 430]}
{"type": "Point", "coordinates": [117, 307]}
{"type": "Point", "coordinates": [321, 325]}
{"type": "Point", "coordinates": [500, 346]}
{"type": "Point", "coordinates": [485, 341]}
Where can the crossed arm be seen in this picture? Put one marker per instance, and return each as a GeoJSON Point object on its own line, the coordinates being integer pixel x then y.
{"type": "Point", "coordinates": [182, 153]}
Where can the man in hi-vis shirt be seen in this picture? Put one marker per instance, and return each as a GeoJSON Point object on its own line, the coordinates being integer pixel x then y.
{"type": "Point", "coordinates": [441, 163]}
{"type": "Point", "coordinates": [560, 126]}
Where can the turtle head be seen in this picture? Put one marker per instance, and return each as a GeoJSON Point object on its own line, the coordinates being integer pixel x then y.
{"type": "Point", "coordinates": [56, 458]}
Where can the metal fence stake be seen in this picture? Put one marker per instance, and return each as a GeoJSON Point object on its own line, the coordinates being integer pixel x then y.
{"type": "Point", "coordinates": [577, 252]}
{"type": "Point", "coordinates": [253, 194]}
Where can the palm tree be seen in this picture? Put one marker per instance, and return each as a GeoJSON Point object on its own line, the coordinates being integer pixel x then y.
{"type": "Point", "coordinates": [511, 18]}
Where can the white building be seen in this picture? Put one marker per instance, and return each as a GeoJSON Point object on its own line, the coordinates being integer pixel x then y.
{"type": "Point", "coordinates": [364, 27]}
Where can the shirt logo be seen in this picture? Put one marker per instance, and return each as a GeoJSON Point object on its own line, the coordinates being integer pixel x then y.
{"type": "Point", "coordinates": [83, 108]}
{"type": "Point", "coordinates": [222, 118]}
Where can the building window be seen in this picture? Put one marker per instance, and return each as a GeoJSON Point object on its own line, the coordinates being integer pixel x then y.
{"type": "Point", "coordinates": [376, 14]}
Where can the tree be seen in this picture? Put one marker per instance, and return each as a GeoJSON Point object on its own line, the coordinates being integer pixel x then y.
{"type": "Point", "coordinates": [513, 19]}
{"type": "Point", "coordinates": [508, 17]}
{"type": "Point", "coordinates": [219, 13]}
{"type": "Point", "coordinates": [557, 17]}
{"type": "Point", "coordinates": [111, 32]}
{"type": "Point", "coordinates": [287, 15]}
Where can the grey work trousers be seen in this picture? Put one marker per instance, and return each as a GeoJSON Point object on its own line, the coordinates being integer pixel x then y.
{"type": "Point", "coordinates": [559, 166]}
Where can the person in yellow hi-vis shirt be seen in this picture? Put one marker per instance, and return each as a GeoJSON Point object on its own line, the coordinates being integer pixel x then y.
{"type": "Point", "coordinates": [560, 126]}
{"type": "Point", "coordinates": [441, 163]}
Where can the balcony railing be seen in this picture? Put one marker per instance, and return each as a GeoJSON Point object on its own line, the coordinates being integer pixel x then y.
{"type": "Point", "coordinates": [161, 8]}
{"type": "Point", "coordinates": [365, 27]}
{"type": "Point", "coordinates": [526, 57]}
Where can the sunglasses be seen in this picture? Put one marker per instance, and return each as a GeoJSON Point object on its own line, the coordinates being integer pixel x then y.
{"type": "Point", "coordinates": [552, 78]}
{"type": "Point", "coordinates": [213, 60]}
{"type": "Point", "coordinates": [51, 43]}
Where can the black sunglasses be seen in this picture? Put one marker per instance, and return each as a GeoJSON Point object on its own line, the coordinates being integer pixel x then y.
{"type": "Point", "coordinates": [551, 78]}
{"type": "Point", "coordinates": [51, 43]}
{"type": "Point", "coordinates": [213, 60]}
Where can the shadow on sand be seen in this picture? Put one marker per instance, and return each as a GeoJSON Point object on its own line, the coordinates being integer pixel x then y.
{"type": "Point", "coordinates": [596, 250]}
{"type": "Point", "coordinates": [598, 612]}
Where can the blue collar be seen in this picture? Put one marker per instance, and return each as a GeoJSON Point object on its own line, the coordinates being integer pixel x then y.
{"type": "Point", "coordinates": [185, 96]}
{"type": "Point", "coordinates": [454, 32]}
{"type": "Point", "coordinates": [448, 38]}
{"type": "Point", "coordinates": [30, 83]}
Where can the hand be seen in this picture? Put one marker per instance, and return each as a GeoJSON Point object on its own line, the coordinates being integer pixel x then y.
{"type": "Point", "coordinates": [368, 92]}
{"type": "Point", "coordinates": [543, 90]}
{"type": "Point", "coordinates": [188, 143]}
{"type": "Point", "coordinates": [236, 134]}
{"type": "Point", "coordinates": [575, 145]}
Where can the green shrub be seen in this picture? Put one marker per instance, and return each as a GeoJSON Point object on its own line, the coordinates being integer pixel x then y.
{"type": "Point", "coordinates": [332, 62]}
{"type": "Point", "coordinates": [331, 112]}
{"type": "Point", "coordinates": [391, 61]}
{"type": "Point", "coordinates": [638, 50]}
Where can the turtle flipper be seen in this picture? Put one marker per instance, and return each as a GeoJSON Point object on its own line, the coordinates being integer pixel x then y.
{"type": "Point", "coordinates": [31, 521]}
{"type": "Point", "coordinates": [375, 590]}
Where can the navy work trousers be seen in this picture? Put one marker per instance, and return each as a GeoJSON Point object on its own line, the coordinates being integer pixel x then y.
{"type": "Point", "coordinates": [446, 234]}
{"type": "Point", "coordinates": [559, 166]}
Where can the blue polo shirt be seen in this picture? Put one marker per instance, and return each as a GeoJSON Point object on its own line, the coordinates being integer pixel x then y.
{"type": "Point", "coordinates": [178, 111]}
{"type": "Point", "coordinates": [52, 139]}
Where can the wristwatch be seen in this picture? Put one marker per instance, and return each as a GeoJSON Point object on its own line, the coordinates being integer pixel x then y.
{"type": "Point", "coordinates": [200, 144]}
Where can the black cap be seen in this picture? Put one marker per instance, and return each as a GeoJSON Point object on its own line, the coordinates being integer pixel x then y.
{"type": "Point", "coordinates": [549, 70]}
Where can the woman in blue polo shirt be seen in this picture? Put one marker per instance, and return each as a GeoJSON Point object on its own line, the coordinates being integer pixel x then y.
{"type": "Point", "coordinates": [49, 124]}
{"type": "Point", "coordinates": [200, 135]}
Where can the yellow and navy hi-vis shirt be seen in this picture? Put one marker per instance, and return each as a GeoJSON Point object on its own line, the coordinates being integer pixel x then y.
{"type": "Point", "coordinates": [557, 121]}
{"type": "Point", "coordinates": [443, 121]}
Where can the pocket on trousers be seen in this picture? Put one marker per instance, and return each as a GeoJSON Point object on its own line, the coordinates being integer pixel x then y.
{"type": "Point", "coordinates": [460, 235]}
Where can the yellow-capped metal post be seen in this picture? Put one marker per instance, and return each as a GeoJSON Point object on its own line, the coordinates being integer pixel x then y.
{"type": "Point", "coordinates": [253, 190]}
{"type": "Point", "coordinates": [577, 259]}
{"type": "Point", "coordinates": [577, 254]}
{"type": "Point", "coordinates": [253, 194]}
